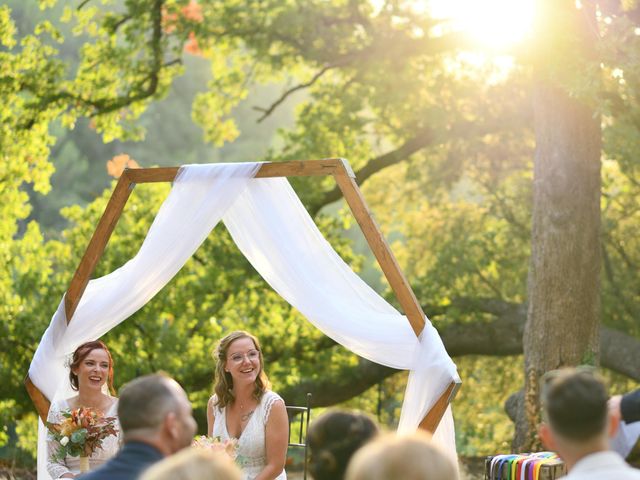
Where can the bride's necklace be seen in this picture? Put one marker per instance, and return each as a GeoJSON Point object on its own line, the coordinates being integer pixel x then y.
{"type": "Point", "coordinates": [245, 416]}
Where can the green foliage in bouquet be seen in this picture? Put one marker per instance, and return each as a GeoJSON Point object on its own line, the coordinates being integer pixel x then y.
{"type": "Point", "coordinates": [81, 432]}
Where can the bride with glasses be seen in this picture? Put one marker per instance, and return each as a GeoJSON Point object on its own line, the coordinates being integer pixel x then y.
{"type": "Point", "coordinates": [245, 409]}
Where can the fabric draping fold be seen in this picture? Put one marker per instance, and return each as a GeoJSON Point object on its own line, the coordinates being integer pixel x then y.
{"type": "Point", "coordinates": [273, 230]}
{"type": "Point", "coordinates": [285, 246]}
{"type": "Point", "coordinates": [199, 197]}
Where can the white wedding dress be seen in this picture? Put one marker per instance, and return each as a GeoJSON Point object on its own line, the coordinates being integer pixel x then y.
{"type": "Point", "coordinates": [251, 444]}
{"type": "Point", "coordinates": [110, 445]}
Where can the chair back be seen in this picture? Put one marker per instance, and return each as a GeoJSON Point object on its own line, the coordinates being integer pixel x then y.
{"type": "Point", "coordinates": [298, 427]}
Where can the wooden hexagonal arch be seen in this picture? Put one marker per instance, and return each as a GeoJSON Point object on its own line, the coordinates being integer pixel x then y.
{"type": "Point", "coordinates": [343, 174]}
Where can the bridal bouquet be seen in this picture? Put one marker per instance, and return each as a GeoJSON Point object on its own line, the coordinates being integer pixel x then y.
{"type": "Point", "coordinates": [81, 432]}
{"type": "Point", "coordinates": [230, 446]}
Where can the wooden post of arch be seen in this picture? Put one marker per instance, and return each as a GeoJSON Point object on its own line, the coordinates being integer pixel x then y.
{"type": "Point", "coordinates": [345, 179]}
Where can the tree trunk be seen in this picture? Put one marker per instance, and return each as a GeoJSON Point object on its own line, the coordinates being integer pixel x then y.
{"type": "Point", "coordinates": [564, 286]}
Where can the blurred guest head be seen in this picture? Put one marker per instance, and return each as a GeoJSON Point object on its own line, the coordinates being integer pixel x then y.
{"type": "Point", "coordinates": [154, 409]}
{"type": "Point", "coordinates": [411, 457]}
{"type": "Point", "coordinates": [194, 464]}
{"type": "Point", "coordinates": [576, 421]}
{"type": "Point", "coordinates": [333, 438]}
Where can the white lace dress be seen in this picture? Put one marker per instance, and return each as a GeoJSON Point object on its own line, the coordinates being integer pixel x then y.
{"type": "Point", "coordinates": [110, 445]}
{"type": "Point", "coordinates": [251, 444]}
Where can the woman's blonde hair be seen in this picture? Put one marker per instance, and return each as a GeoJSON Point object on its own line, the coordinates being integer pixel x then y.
{"type": "Point", "coordinates": [222, 380]}
{"type": "Point", "coordinates": [194, 464]}
{"type": "Point", "coordinates": [391, 457]}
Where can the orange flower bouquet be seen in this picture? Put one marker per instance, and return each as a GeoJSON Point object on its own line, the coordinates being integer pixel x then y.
{"type": "Point", "coordinates": [81, 433]}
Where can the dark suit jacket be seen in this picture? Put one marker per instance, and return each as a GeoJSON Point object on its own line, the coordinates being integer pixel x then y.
{"type": "Point", "coordinates": [128, 464]}
{"type": "Point", "coordinates": [630, 407]}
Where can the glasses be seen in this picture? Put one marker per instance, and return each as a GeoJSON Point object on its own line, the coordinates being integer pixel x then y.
{"type": "Point", "coordinates": [251, 355]}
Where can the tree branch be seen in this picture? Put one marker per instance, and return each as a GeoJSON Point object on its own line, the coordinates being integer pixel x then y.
{"type": "Point", "coordinates": [517, 117]}
{"type": "Point", "coordinates": [403, 47]}
{"type": "Point", "coordinates": [488, 282]}
{"type": "Point", "coordinates": [148, 86]}
{"type": "Point", "coordinates": [269, 110]}
{"type": "Point", "coordinates": [499, 337]}
{"type": "Point", "coordinates": [422, 139]}
{"type": "Point", "coordinates": [506, 211]}
{"type": "Point", "coordinates": [339, 387]}
{"type": "Point", "coordinates": [119, 23]}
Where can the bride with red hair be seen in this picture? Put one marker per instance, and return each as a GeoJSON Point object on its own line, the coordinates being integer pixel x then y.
{"type": "Point", "coordinates": [91, 375]}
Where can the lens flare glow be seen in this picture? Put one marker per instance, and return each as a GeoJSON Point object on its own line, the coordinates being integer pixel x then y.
{"type": "Point", "coordinates": [492, 23]}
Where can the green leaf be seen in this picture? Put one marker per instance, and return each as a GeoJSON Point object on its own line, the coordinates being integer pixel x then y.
{"type": "Point", "coordinates": [79, 436]}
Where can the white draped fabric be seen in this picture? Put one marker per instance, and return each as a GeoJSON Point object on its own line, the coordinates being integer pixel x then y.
{"type": "Point", "coordinates": [284, 245]}
{"type": "Point", "coordinates": [277, 235]}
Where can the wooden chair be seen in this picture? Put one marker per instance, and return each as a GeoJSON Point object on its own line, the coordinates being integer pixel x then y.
{"type": "Point", "coordinates": [299, 422]}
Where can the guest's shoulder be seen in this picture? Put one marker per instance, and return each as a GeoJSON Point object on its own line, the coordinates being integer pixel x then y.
{"type": "Point", "coordinates": [129, 463]}
{"type": "Point", "coordinates": [103, 472]}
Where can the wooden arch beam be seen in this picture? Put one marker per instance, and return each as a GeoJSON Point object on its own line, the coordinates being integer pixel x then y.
{"type": "Point", "coordinates": [339, 168]}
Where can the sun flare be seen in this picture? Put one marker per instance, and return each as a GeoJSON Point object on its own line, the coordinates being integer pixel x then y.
{"type": "Point", "coordinates": [492, 23]}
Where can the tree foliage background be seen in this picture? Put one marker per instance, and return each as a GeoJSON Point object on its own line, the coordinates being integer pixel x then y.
{"type": "Point", "coordinates": [442, 145]}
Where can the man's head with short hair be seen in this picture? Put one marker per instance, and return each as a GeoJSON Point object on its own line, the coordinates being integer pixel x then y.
{"type": "Point", "coordinates": [155, 409]}
{"type": "Point", "coordinates": [574, 402]}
